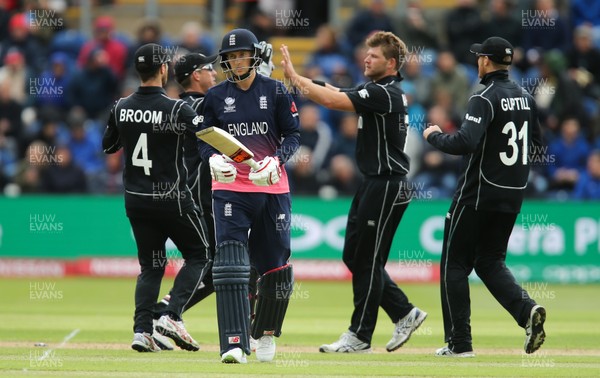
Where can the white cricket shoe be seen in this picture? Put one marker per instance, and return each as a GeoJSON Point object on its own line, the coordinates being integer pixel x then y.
{"type": "Point", "coordinates": [348, 343]}
{"type": "Point", "coordinates": [253, 344]}
{"type": "Point", "coordinates": [265, 349]}
{"type": "Point", "coordinates": [143, 342]}
{"type": "Point", "coordinates": [534, 330]}
{"type": "Point", "coordinates": [176, 331]}
{"type": "Point", "coordinates": [405, 327]}
{"type": "Point", "coordinates": [447, 352]}
{"type": "Point", "coordinates": [163, 342]}
{"type": "Point", "coordinates": [234, 356]}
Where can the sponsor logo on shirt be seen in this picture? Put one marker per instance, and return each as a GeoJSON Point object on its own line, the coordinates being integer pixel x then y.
{"type": "Point", "coordinates": [363, 93]}
{"type": "Point", "coordinates": [471, 118]}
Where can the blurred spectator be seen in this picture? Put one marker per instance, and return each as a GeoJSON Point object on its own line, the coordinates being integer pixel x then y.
{"type": "Point", "coordinates": [85, 144]}
{"type": "Point", "coordinates": [570, 153]}
{"type": "Point", "coordinates": [50, 89]}
{"type": "Point", "coordinates": [463, 26]}
{"type": "Point", "coordinates": [544, 28]}
{"type": "Point", "coordinates": [314, 134]}
{"type": "Point", "coordinates": [345, 142]}
{"type": "Point", "coordinates": [261, 24]}
{"type": "Point", "coordinates": [411, 71]}
{"type": "Point", "coordinates": [329, 59]}
{"type": "Point", "coordinates": [94, 87]}
{"type": "Point", "coordinates": [20, 39]}
{"type": "Point", "coordinates": [4, 20]}
{"type": "Point", "coordinates": [414, 28]}
{"type": "Point", "coordinates": [587, 12]}
{"type": "Point", "coordinates": [315, 15]}
{"type": "Point", "coordinates": [62, 175]}
{"type": "Point", "coordinates": [149, 30]}
{"type": "Point", "coordinates": [451, 79]}
{"type": "Point", "coordinates": [10, 112]}
{"type": "Point", "coordinates": [8, 154]}
{"type": "Point", "coordinates": [588, 185]}
{"type": "Point", "coordinates": [368, 20]}
{"type": "Point", "coordinates": [111, 177]}
{"type": "Point", "coordinates": [28, 171]}
{"type": "Point", "coordinates": [116, 50]}
{"type": "Point", "coordinates": [438, 173]}
{"type": "Point", "coordinates": [16, 74]}
{"type": "Point", "coordinates": [556, 94]}
{"type": "Point", "coordinates": [503, 23]}
{"type": "Point", "coordinates": [303, 178]}
{"type": "Point", "coordinates": [357, 66]}
{"type": "Point", "coordinates": [343, 176]}
{"type": "Point", "coordinates": [69, 41]}
{"type": "Point", "coordinates": [584, 58]}
{"type": "Point", "coordinates": [45, 18]}
{"type": "Point", "coordinates": [193, 39]}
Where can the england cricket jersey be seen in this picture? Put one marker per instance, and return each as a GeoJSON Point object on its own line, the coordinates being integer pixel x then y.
{"type": "Point", "coordinates": [264, 118]}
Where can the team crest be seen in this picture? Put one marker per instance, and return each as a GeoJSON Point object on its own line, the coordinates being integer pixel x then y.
{"type": "Point", "coordinates": [229, 105]}
{"type": "Point", "coordinates": [263, 102]}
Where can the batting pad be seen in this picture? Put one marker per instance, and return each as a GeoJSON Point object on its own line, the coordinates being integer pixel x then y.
{"type": "Point", "coordinates": [231, 273]}
{"type": "Point", "coordinates": [274, 291]}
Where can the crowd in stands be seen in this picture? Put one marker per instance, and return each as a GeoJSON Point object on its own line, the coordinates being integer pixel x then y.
{"type": "Point", "coordinates": [56, 86]}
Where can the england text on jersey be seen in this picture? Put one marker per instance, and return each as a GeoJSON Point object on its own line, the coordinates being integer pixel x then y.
{"type": "Point", "coordinates": [245, 128]}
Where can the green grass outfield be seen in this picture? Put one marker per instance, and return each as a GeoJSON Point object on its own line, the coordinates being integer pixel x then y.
{"type": "Point", "coordinates": [95, 315]}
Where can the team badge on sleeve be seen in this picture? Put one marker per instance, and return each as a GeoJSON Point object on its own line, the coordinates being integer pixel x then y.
{"type": "Point", "coordinates": [293, 109]}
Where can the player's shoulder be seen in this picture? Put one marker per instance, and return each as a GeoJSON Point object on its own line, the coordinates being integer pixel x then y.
{"type": "Point", "coordinates": [265, 81]}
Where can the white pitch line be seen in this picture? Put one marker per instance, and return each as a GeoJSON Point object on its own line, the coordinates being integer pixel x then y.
{"type": "Point", "coordinates": [65, 340]}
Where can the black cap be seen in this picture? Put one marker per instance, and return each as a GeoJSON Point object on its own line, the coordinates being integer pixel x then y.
{"type": "Point", "coordinates": [498, 49]}
{"type": "Point", "coordinates": [191, 62]}
{"type": "Point", "coordinates": [149, 57]}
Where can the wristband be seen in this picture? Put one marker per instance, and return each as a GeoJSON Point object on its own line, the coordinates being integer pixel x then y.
{"type": "Point", "coordinates": [319, 82]}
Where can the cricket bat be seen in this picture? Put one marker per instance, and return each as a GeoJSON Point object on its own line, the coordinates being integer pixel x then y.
{"type": "Point", "coordinates": [226, 144]}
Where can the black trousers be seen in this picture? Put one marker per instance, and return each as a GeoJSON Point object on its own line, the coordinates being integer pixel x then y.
{"type": "Point", "coordinates": [477, 239]}
{"type": "Point", "coordinates": [151, 231]}
{"type": "Point", "coordinates": [374, 215]}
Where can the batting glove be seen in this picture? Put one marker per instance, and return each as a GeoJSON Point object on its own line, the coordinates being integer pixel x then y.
{"type": "Point", "coordinates": [268, 172]}
{"type": "Point", "coordinates": [266, 53]}
{"type": "Point", "coordinates": [221, 170]}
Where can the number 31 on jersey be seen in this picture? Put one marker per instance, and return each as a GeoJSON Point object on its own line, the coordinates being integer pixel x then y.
{"type": "Point", "coordinates": [511, 130]}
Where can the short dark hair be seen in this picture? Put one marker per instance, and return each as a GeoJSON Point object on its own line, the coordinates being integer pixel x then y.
{"type": "Point", "coordinates": [145, 76]}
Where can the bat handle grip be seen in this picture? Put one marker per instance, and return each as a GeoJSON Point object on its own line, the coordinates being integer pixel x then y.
{"type": "Point", "coordinates": [252, 163]}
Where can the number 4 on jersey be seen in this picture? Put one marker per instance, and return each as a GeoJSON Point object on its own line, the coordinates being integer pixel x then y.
{"type": "Point", "coordinates": [141, 147]}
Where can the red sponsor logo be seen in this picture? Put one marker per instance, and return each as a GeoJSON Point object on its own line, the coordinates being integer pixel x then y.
{"type": "Point", "coordinates": [269, 333]}
{"type": "Point", "coordinates": [293, 108]}
{"type": "Point", "coordinates": [234, 339]}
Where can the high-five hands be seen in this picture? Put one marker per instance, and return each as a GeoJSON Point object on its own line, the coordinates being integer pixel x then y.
{"type": "Point", "coordinates": [266, 54]}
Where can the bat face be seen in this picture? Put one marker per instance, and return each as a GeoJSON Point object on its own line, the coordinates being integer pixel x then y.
{"type": "Point", "coordinates": [226, 144]}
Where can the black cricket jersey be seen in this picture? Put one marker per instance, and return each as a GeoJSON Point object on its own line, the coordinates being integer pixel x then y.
{"type": "Point", "coordinates": [382, 124]}
{"type": "Point", "coordinates": [499, 135]}
{"type": "Point", "coordinates": [199, 180]}
{"type": "Point", "coordinates": [153, 130]}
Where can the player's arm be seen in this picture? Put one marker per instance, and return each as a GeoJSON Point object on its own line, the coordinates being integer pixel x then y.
{"type": "Point", "coordinates": [208, 118]}
{"type": "Point", "coordinates": [466, 139]}
{"type": "Point", "coordinates": [287, 119]}
{"type": "Point", "coordinates": [111, 141]}
{"type": "Point", "coordinates": [328, 96]}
